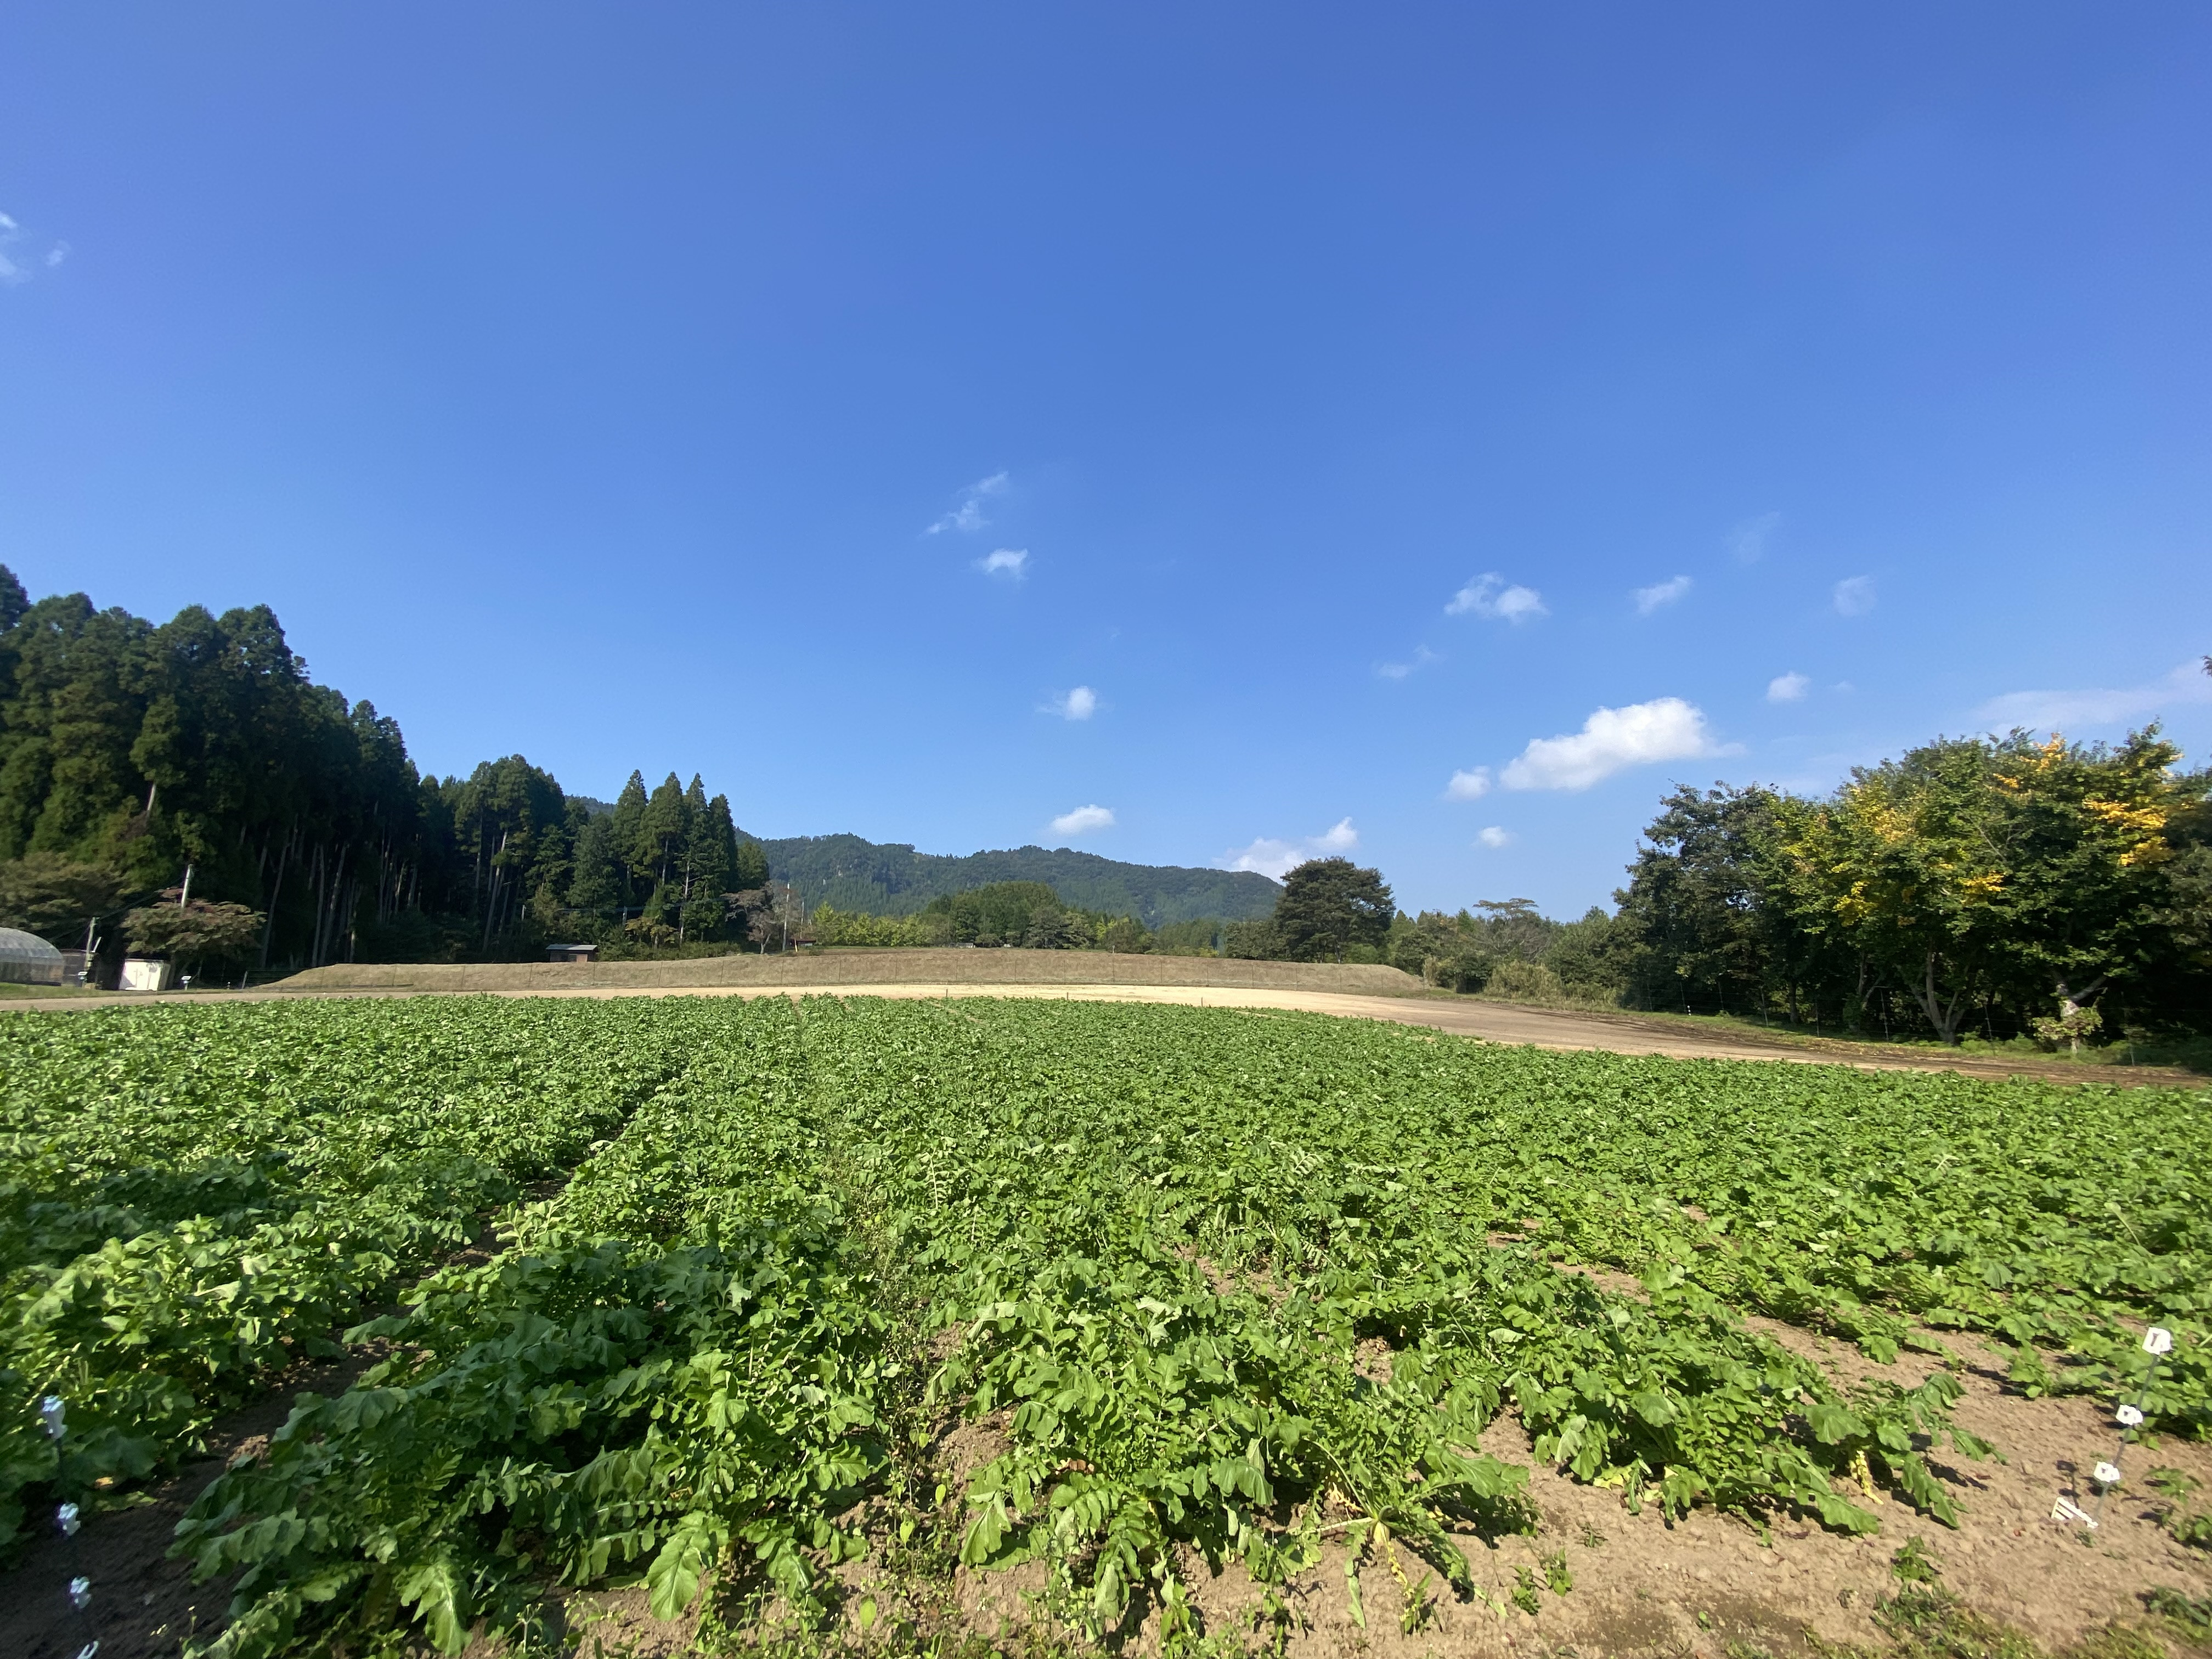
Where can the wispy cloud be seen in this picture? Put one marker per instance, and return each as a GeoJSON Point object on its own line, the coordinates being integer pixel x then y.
{"type": "Point", "coordinates": [1788, 688]}
{"type": "Point", "coordinates": [1080, 704]}
{"type": "Point", "coordinates": [1274, 858]}
{"type": "Point", "coordinates": [18, 263]}
{"type": "Point", "coordinates": [1748, 541]}
{"type": "Point", "coordinates": [969, 514]}
{"type": "Point", "coordinates": [1612, 740]}
{"type": "Point", "coordinates": [2055, 711]}
{"type": "Point", "coordinates": [1488, 596]}
{"type": "Point", "coordinates": [1649, 600]}
{"type": "Point", "coordinates": [1083, 820]}
{"type": "Point", "coordinates": [1421, 659]}
{"type": "Point", "coordinates": [1495, 837]}
{"type": "Point", "coordinates": [1011, 563]}
{"type": "Point", "coordinates": [1854, 596]}
{"type": "Point", "coordinates": [1468, 786]}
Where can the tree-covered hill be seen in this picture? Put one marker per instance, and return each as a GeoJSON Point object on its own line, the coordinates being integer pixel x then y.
{"type": "Point", "coordinates": [892, 879]}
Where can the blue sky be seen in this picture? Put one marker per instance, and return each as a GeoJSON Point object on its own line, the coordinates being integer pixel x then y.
{"type": "Point", "coordinates": [1429, 431]}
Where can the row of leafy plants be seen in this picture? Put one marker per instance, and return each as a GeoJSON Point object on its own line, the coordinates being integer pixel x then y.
{"type": "Point", "coordinates": [1227, 1284]}
{"type": "Point", "coordinates": [193, 1200]}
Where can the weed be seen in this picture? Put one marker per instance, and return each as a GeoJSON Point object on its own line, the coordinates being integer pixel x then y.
{"type": "Point", "coordinates": [2193, 1614]}
{"type": "Point", "coordinates": [1912, 1564]}
{"type": "Point", "coordinates": [1524, 1591]}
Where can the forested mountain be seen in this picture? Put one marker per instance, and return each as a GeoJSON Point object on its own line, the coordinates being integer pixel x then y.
{"type": "Point", "coordinates": [892, 879]}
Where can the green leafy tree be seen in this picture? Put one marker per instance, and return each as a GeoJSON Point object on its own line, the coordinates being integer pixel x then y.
{"type": "Point", "coordinates": [54, 896]}
{"type": "Point", "coordinates": [1329, 905]}
{"type": "Point", "coordinates": [1587, 955]}
{"type": "Point", "coordinates": [1251, 941]}
{"type": "Point", "coordinates": [1054, 928]}
{"type": "Point", "coordinates": [1127, 936]}
{"type": "Point", "coordinates": [2087, 832]}
{"type": "Point", "coordinates": [194, 931]}
{"type": "Point", "coordinates": [1703, 922]}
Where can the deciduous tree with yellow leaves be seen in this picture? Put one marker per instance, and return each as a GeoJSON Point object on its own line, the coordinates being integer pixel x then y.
{"type": "Point", "coordinates": [2037, 870]}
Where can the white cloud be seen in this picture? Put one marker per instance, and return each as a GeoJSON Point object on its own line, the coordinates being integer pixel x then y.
{"type": "Point", "coordinates": [1854, 596]}
{"type": "Point", "coordinates": [1080, 704]}
{"type": "Point", "coordinates": [1488, 596]}
{"type": "Point", "coordinates": [1649, 600]}
{"type": "Point", "coordinates": [1468, 786]}
{"type": "Point", "coordinates": [1273, 858]}
{"type": "Point", "coordinates": [16, 266]}
{"type": "Point", "coordinates": [1011, 563]}
{"type": "Point", "coordinates": [1495, 837]}
{"type": "Point", "coordinates": [1788, 688]}
{"type": "Point", "coordinates": [1342, 837]}
{"type": "Point", "coordinates": [1421, 659]}
{"type": "Point", "coordinates": [1748, 541]}
{"type": "Point", "coordinates": [2055, 711]}
{"type": "Point", "coordinates": [1082, 820]}
{"type": "Point", "coordinates": [1664, 729]}
{"type": "Point", "coordinates": [968, 515]}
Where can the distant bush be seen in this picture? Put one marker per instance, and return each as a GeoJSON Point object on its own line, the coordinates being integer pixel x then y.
{"type": "Point", "coordinates": [1525, 981]}
{"type": "Point", "coordinates": [833, 926]}
{"type": "Point", "coordinates": [1254, 941]}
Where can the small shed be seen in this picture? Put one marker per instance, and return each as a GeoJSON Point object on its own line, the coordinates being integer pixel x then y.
{"type": "Point", "coordinates": [145, 973]}
{"type": "Point", "coordinates": [571, 953]}
{"type": "Point", "coordinates": [26, 959]}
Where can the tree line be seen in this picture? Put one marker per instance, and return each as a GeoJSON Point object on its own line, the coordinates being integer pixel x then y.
{"type": "Point", "coordinates": [187, 788]}
{"type": "Point", "coordinates": [1997, 885]}
{"type": "Point", "coordinates": [1022, 915]}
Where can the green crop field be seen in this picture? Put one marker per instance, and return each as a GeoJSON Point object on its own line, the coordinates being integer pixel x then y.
{"type": "Point", "coordinates": [1225, 1283]}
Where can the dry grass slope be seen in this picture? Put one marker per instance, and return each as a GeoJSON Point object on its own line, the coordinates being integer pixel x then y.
{"type": "Point", "coordinates": [860, 967]}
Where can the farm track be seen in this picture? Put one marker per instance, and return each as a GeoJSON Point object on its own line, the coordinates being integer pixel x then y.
{"type": "Point", "coordinates": [1564, 1030]}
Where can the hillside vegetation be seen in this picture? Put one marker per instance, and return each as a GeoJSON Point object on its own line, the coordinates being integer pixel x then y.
{"type": "Point", "coordinates": [892, 879]}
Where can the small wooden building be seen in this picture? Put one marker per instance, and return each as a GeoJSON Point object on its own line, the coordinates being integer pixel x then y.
{"type": "Point", "coordinates": [571, 953]}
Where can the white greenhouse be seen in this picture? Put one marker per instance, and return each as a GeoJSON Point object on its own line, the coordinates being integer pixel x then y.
{"type": "Point", "coordinates": [26, 959]}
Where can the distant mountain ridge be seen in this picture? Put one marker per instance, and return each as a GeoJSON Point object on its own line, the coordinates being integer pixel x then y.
{"type": "Point", "coordinates": [892, 879]}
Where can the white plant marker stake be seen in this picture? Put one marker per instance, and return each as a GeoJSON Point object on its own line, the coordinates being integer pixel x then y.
{"type": "Point", "coordinates": [53, 1413]}
{"type": "Point", "coordinates": [2156, 1342]}
{"type": "Point", "coordinates": [2063, 1509]}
